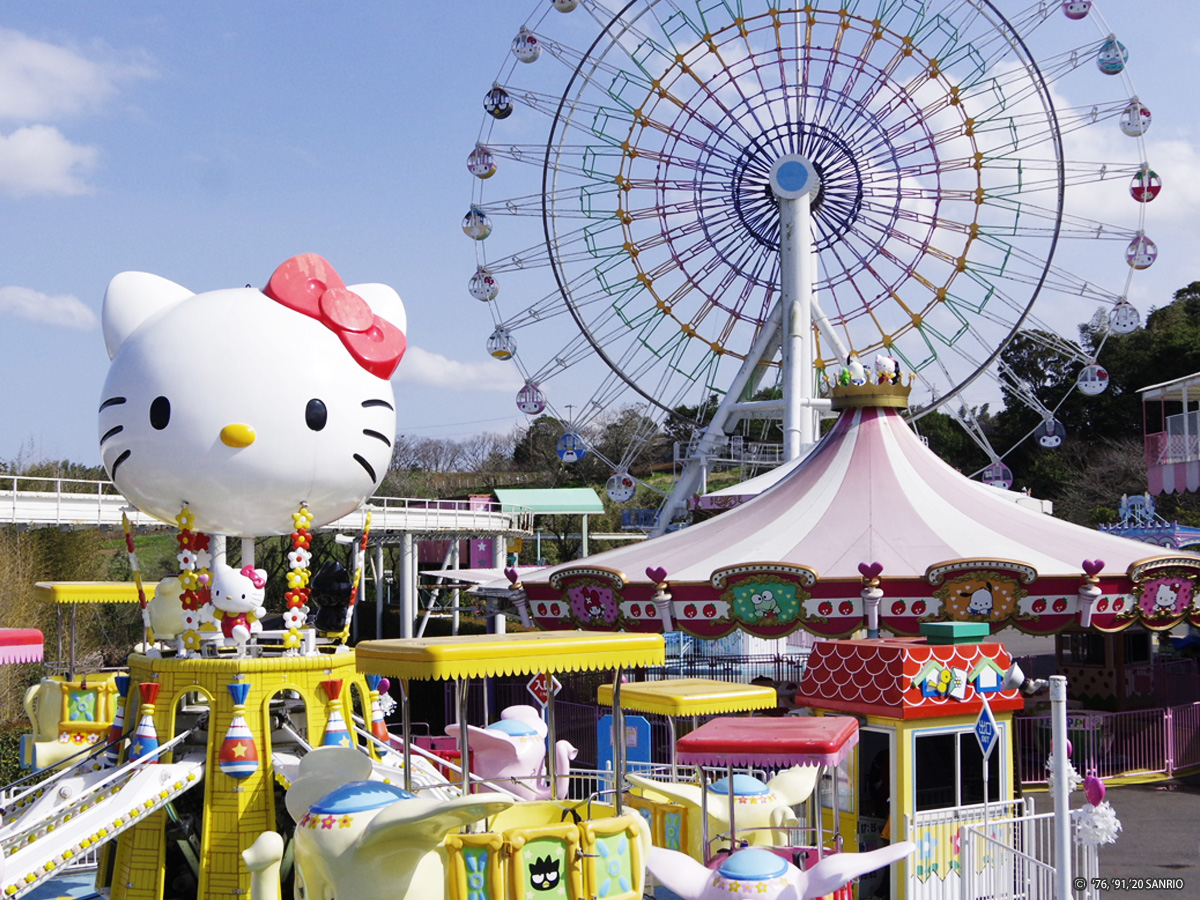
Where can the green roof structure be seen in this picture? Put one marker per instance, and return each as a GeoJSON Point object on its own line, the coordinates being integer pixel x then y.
{"type": "Point", "coordinates": [553, 501]}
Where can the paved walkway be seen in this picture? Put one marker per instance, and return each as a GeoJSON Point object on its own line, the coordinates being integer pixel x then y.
{"type": "Point", "coordinates": [1160, 838]}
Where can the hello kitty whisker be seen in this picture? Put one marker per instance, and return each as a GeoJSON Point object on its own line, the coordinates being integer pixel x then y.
{"type": "Point", "coordinates": [111, 401]}
{"type": "Point", "coordinates": [115, 430]}
{"type": "Point", "coordinates": [375, 434]}
{"type": "Point", "coordinates": [117, 464]}
{"type": "Point", "coordinates": [366, 465]}
{"type": "Point", "coordinates": [367, 404]}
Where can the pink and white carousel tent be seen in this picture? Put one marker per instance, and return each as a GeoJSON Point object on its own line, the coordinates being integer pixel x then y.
{"type": "Point", "coordinates": [870, 526]}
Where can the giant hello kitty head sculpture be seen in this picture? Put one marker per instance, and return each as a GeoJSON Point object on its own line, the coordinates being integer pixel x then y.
{"type": "Point", "coordinates": [244, 404]}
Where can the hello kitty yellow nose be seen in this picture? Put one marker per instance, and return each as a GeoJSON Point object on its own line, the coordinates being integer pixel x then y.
{"type": "Point", "coordinates": [237, 435]}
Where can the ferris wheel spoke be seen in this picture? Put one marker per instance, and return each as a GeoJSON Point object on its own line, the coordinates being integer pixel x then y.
{"type": "Point", "coordinates": [548, 105]}
{"type": "Point", "coordinates": [1070, 121]}
{"type": "Point", "coordinates": [1031, 176]}
{"type": "Point", "coordinates": [588, 158]}
{"type": "Point", "coordinates": [565, 202]}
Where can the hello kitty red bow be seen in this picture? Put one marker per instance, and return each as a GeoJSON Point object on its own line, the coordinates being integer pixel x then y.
{"type": "Point", "coordinates": [255, 579]}
{"type": "Point", "coordinates": [309, 285]}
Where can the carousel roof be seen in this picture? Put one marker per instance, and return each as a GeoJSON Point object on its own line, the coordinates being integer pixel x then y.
{"type": "Point", "coordinates": [870, 502]}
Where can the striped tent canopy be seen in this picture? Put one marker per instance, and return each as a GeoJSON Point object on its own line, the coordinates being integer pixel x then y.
{"type": "Point", "coordinates": [871, 525]}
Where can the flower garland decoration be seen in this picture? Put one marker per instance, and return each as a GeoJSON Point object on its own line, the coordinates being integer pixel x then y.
{"type": "Point", "coordinates": [195, 579]}
{"type": "Point", "coordinates": [344, 635]}
{"type": "Point", "coordinates": [147, 629]}
{"type": "Point", "coordinates": [298, 577]}
{"type": "Point", "coordinates": [1096, 821]}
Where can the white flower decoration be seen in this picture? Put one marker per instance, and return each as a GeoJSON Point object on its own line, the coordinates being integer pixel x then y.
{"type": "Point", "coordinates": [1074, 779]}
{"type": "Point", "coordinates": [187, 559]}
{"type": "Point", "coordinates": [203, 559]}
{"type": "Point", "coordinates": [206, 614]}
{"type": "Point", "coordinates": [387, 703]}
{"type": "Point", "coordinates": [190, 619]}
{"type": "Point", "coordinates": [296, 617]}
{"type": "Point", "coordinates": [1096, 825]}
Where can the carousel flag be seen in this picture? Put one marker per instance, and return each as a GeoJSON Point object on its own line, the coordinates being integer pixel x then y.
{"type": "Point", "coordinates": [112, 753]}
{"type": "Point", "coordinates": [145, 738]}
{"type": "Point", "coordinates": [336, 733]}
{"type": "Point", "coordinates": [239, 755]}
{"type": "Point", "coordinates": [378, 725]}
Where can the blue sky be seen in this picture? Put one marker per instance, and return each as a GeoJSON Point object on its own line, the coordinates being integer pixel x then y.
{"type": "Point", "coordinates": [208, 142]}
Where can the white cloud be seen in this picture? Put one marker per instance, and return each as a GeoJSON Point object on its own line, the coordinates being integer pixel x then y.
{"type": "Point", "coordinates": [40, 160]}
{"type": "Point", "coordinates": [428, 369]}
{"type": "Point", "coordinates": [40, 81]}
{"type": "Point", "coordinates": [62, 310]}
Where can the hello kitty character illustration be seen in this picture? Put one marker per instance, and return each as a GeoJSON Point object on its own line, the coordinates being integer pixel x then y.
{"type": "Point", "coordinates": [1165, 597]}
{"type": "Point", "coordinates": [238, 598]}
{"type": "Point", "coordinates": [243, 404]}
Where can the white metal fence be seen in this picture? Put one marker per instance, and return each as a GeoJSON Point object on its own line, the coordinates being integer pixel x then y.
{"type": "Point", "coordinates": [1014, 859]}
{"type": "Point", "coordinates": [71, 502]}
{"type": "Point", "coordinates": [934, 872]}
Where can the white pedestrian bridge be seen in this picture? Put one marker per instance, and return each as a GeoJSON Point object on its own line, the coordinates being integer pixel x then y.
{"type": "Point", "coordinates": [73, 503]}
{"type": "Point", "coordinates": [32, 502]}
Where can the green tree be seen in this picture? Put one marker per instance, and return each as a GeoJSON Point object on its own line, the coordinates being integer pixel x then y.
{"type": "Point", "coordinates": [1168, 347]}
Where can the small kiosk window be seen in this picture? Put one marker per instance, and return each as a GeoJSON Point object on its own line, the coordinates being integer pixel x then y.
{"type": "Point", "coordinates": [1137, 647]}
{"type": "Point", "coordinates": [949, 770]}
{"type": "Point", "coordinates": [1084, 650]}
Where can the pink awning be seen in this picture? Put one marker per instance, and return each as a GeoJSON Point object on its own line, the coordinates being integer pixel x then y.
{"type": "Point", "coordinates": [21, 645]}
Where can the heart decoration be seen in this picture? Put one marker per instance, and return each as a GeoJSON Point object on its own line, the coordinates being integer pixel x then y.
{"type": "Point", "coordinates": [1092, 567]}
{"type": "Point", "coordinates": [657, 574]}
{"type": "Point", "coordinates": [512, 575]}
{"type": "Point", "coordinates": [870, 571]}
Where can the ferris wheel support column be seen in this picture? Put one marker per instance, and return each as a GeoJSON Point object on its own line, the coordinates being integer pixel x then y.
{"type": "Point", "coordinates": [794, 182]}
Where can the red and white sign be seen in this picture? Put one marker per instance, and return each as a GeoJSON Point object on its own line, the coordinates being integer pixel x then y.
{"type": "Point", "coordinates": [540, 686]}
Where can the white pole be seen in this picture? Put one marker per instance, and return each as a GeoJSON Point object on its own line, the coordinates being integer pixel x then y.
{"type": "Point", "coordinates": [794, 181]}
{"type": "Point", "coordinates": [795, 251]}
{"type": "Point", "coordinates": [408, 586]}
{"type": "Point", "coordinates": [1062, 806]}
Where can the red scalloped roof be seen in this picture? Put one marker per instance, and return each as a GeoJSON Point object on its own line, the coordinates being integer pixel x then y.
{"type": "Point", "coordinates": [879, 677]}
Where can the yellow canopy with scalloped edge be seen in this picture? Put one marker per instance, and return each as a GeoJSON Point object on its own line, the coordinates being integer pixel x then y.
{"type": "Point", "coordinates": [524, 653]}
{"type": "Point", "coordinates": [90, 591]}
{"type": "Point", "coordinates": [689, 697]}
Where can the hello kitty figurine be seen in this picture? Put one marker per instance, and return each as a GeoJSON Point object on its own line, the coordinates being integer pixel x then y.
{"type": "Point", "coordinates": [244, 404]}
{"type": "Point", "coordinates": [238, 598]}
{"type": "Point", "coordinates": [887, 370]}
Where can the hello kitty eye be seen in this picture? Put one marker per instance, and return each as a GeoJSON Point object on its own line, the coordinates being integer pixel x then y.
{"type": "Point", "coordinates": [160, 413]}
{"type": "Point", "coordinates": [316, 415]}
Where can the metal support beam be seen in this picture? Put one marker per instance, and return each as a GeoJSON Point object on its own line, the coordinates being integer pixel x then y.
{"type": "Point", "coordinates": [408, 584]}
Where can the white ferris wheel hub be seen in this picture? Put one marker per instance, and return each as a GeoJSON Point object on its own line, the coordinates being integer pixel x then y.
{"type": "Point", "coordinates": [793, 176]}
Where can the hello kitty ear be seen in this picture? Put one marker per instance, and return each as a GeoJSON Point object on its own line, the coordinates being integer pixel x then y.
{"type": "Point", "coordinates": [384, 302]}
{"type": "Point", "coordinates": [131, 299]}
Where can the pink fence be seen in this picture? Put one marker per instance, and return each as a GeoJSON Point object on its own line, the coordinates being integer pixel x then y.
{"type": "Point", "coordinates": [1109, 745]}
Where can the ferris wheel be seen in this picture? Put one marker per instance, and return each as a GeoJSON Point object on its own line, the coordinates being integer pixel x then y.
{"type": "Point", "coordinates": [627, 224]}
